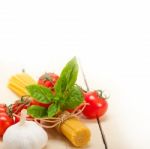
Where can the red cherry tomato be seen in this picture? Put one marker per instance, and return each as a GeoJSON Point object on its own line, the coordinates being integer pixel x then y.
{"type": "Point", "coordinates": [3, 108]}
{"type": "Point", "coordinates": [48, 80]}
{"type": "Point", "coordinates": [97, 105]}
{"type": "Point", "coordinates": [5, 122]}
{"type": "Point", "coordinates": [34, 102]}
{"type": "Point", "coordinates": [18, 110]}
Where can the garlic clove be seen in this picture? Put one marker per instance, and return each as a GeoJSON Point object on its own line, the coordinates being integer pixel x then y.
{"type": "Point", "coordinates": [26, 136]}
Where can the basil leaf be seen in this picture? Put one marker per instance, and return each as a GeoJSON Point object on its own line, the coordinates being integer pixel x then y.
{"type": "Point", "coordinates": [67, 78]}
{"type": "Point", "coordinates": [37, 111]}
{"type": "Point", "coordinates": [40, 93]}
{"type": "Point", "coordinates": [53, 109]}
{"type": "Point", "coordinates": [74, 98]}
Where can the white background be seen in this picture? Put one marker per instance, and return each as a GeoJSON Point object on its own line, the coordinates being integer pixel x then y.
{"type": "Point", "coordinates": [112, 40]}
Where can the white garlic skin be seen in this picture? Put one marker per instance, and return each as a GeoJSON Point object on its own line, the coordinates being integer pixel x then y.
{"type": "Point", "coordinates": [26, 136]}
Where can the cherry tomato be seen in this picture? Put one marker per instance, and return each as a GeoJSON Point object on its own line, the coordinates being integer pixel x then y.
{"type": "Point", "coordinates": [5, 122]}
{"type": "Point", "coordinates": [16, 110]}
{"type": "Point", "coordinates": [48, 80]}
{"type": "Point", "coordinates": [3, 108]}
{"type": "Point", "coordinates": [34, 102]}
{"type": "Point", "coordinates": [97, 105]}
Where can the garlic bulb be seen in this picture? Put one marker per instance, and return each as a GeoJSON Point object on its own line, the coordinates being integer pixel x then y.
{"type": "Point", "coordinates": [25, 135]}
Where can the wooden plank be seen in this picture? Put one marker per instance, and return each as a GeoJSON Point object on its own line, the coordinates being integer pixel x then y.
{"type": "Point", "coordinates": [87, 88]}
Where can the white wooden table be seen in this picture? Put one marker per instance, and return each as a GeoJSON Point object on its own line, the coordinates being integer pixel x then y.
{"type": "Point", "coordinates": [112, 39]}
{"type": "Point", "coordinates": [123, 123]}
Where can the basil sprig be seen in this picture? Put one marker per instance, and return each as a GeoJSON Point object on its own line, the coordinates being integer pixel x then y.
{"type": "Point", "coordinates": [67, 78]}
{"type": "Point", "coordinates": [67, 94]}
